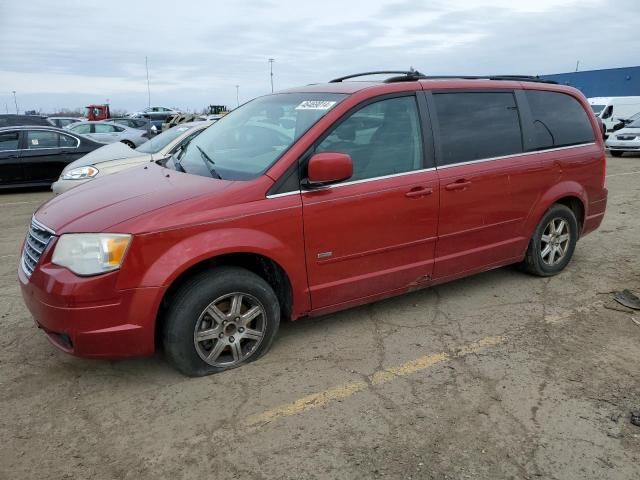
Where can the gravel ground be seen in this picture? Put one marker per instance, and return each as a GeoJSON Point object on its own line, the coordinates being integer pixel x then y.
{"type": "Point", "coordinates": [500, 375]}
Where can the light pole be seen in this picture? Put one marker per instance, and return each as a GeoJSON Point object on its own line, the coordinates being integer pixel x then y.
{"type": "Point", "coordinates": [15, 100]}
{"type": "Point", "coordinates": [146, 64]}
{"type": "Point", "coordinates": [238, 95]}
{"type": "Point", "coordinates": [271, 60]}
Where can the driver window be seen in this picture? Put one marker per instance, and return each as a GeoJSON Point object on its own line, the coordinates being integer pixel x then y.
{"type": "Point", "coordinates": [607, 112]}
{"type": "Point", "coordinates": [382, 138]}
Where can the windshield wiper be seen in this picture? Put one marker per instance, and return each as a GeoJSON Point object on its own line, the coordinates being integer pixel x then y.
{"type": "Point", "coordinates": [207, 159]}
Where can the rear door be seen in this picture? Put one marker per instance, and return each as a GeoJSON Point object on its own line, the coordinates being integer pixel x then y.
{"type": "Point", "coordinates": [10, 167]}
{"type": "Point", "coordinates": [374, 233]}
{"type": "Point", "coordinates": [41, 156]}
{"type": "Point", "coordinates": [478, 141]}
{"type": "Point", "coordinates": [105, 133]}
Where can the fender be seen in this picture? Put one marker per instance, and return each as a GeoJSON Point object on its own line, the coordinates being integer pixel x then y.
{"type": "Point", "coordinates": [563, 189]}
{"type": "Point", "coordinates": [161, 258]}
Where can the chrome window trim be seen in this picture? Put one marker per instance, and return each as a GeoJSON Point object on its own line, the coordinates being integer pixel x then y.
{"type": "Point", "coordinates": [471, 162]}
{"type": "Point", "coordinates": [514, 155]}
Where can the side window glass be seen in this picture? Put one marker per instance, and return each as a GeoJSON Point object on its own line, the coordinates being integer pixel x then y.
{"type": "Point", "coordinates": [607, 112]}
{"type": "Point", "coordinates": [382, 138]}
{"type": "Point", "coordinates": [68, 142]}
{"type": "Point", "coordinates": [475, 126]}
{"type": "Point", "coordinates": [82, 129]}
{"type": "Point", "coordinates": [558, 120]}
{"type": "Point", "coordinates": [41, 139]}
{"type": "Point", "coordinates": [103, 128]}
{"type": "Point", "coordinates": [9, 141]}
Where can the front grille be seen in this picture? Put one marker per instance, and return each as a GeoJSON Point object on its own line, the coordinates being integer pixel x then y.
{"type": "Point", "coordinates": [626, 137]}
{"type": "Point", "coordinates": [38, 238]}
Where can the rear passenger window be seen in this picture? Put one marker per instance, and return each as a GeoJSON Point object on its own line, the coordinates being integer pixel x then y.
{"type": "Point", "coordinates": [558, 120]}
{"type": "Point", "coordinates": [475, 126]}
{"type": "Point", "coordinates": [382, 138]}
{"type": "Point", "coordinates": [41, 139]}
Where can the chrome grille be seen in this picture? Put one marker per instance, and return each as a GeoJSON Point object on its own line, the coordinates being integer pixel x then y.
{"type": "Point", "coordinates": [626, 137]}
{"type": "Point", "coordinates": [38, 238]}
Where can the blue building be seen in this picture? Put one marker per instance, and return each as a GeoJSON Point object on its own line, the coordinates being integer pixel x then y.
{"type": "Point", "coordinates": [610, 82]}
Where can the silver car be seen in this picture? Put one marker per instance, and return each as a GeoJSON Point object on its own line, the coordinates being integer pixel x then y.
{"type": "Point", "coordinates": [626, 139]}
{"type": "Point", "coordinates": [117, 157]}
{"type": "Point", "coordinates": [110, 132]}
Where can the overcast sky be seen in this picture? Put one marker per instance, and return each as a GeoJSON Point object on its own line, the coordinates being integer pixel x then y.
{"type": "Point", "coordinates": [61, 53]}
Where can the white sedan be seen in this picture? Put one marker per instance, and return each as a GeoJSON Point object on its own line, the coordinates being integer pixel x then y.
{"type": "Point", "coordinates": [626, 139]}
{"type": "Point", "coordinates": [110, 132]}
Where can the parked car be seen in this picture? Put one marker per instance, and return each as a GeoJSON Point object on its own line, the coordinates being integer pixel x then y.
{"type": "Point", "coordinates": [156, 113]}
{"type": "Point", "coordinates": [179, 118]}
{"type": "Point", "coordinates": [623, 122]}
{"type": "Point", "coordinates": [378, 188]}
{"type": "Point", "coordinates": [612, 109]}
{"type": "Point", "coordinates": [116, 157]}
{"type": "Point", "coordinates": [13, 120]}
{"type": "Point", "coordinates": [62, 122]}
{"type": "Point", "coordinates": [138, 123]}
{"type": "Point", "coordinates": [109, 132]}
{"type": "Point", "coordinates": [626, 139]}
{"type": "Point", "coordinates": [35, 156]}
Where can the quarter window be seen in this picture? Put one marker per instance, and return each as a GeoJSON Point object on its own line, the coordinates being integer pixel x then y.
{"type": "Point", "coordinates": [41, 139]}
{"type": "Point", "coordinates": [9, 141]}
{"type": "Point", "coordinates": [67, 141]}
{"type": "Point", "coordinates": [382, 138]}
{"type": "Point", "coordinates": [475, 126]}
{"type": "Point", "coordinates": [558, 120]}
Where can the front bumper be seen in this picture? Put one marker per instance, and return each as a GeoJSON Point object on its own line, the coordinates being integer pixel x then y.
{"type": "Point", "coordinates": [62, 186]}
{"type": "Point", "coordinates": [88, 316]}
{"type": "Point", "coordinates": [622, 145]}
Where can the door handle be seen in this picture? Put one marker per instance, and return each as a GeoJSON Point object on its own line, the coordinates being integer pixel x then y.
{"type": "Point", "coordinates": [458, 185]}
{"type": "Point", "coordinates": [419, 192]}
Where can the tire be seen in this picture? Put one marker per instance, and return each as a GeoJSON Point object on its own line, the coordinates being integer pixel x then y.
{"type": "Point", "coordinates": [536, 261]}
{"type": "Point", "coordinates": [615, 153]}
{"type": "Point", "coordinates": [205, 320]}
{"type": "Point", "coordinates": [128, 143]}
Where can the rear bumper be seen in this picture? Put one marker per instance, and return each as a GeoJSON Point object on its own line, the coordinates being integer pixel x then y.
{"type": "Point", "coordinates": [88, 316]}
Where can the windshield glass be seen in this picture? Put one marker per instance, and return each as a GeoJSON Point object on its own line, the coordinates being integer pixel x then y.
{"type": "Point", "coordinates": [160, 141]}
{"type": "Point", "coordinates": [634, 124]}
{"type": "Point", "coordinates": [597, 108]}
{"type": "Point", "coordinates": [247, 141]}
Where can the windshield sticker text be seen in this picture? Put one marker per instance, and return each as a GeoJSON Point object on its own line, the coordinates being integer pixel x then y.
{"type": "Point", "coordinates": [315, 105]}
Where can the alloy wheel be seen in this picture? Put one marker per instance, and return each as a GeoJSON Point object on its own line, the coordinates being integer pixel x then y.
{"type": "Point", "coordinates": [554, 241]}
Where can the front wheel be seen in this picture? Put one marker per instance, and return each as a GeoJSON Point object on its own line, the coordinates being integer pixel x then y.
{"type": "Point", "coordinates": [553, 242]}
{"type": "Point", "coordinates": [219, 320]}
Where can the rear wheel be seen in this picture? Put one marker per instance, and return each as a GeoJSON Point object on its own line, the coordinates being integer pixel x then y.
{"type": "Point", "coordinates": [553, 243]}
{"type": "Point", "coordinates": [220, 320]}
{"type": "Point", "coordinates": [129, 143]}
{"type": "Point", "coordinates": [615, 153]}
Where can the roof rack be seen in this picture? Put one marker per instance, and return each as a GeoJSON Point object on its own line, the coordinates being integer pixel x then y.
{"type": "Point", "coordinates": [404, 75]}
{"type": "Point", "coordinates": [413, 75]}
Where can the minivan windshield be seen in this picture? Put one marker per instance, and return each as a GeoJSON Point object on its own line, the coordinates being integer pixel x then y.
{"type": "Point", "coordinates": [160, 141]}
{"type": "Point", "coordinates": [634, 124]}
{"type": "Point", "coordinates": [247, 141]}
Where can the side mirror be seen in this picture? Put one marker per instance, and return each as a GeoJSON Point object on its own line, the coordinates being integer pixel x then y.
{"type": "Point", "coordinates": [328, 167]}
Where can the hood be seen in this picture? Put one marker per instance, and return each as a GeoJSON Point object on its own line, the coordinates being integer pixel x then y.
{"type": "Point", "coordinates": [113, 151]}
{"type": "Point", "coordinates": [113, 199]}
{"type": "Point", "coordinates": [635, 131]}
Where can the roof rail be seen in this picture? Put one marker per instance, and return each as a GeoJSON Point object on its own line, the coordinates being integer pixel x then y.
{"type": "Point", "coordinates": [517, 78]}
{"type": "Point", "coordinates": [412, 75]}
{"type": "Point", "coordinates": [405, 75]}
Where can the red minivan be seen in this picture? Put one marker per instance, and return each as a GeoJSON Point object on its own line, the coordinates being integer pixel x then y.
{"type": "Point", "coordinates": [314, 200]}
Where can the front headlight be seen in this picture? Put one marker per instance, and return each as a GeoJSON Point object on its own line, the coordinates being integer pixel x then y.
{"type": "Point", "coordinates": [80, 173]}
{"type": "Point", "coordinates": [91, 253]}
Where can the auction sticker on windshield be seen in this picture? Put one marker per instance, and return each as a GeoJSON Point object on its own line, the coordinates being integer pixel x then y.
{"type": "Point", "coordinates": [315, 105]}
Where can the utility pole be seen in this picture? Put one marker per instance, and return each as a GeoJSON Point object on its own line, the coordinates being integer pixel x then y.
{"type": "Point", "coordinates": [146, 64]}
{"type": "Point", "coordinates": [15, 100]}
{"type": "Point", "coordinates": [577, 65]}
{"type": "Point", "coordinates": [271, 60]}
{"type": "Point", "coordinates": [6, 107]}
{"type": "Point", "coordinates": [238, 95]}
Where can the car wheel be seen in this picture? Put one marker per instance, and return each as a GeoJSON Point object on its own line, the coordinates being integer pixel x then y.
{"type": "Point", "coordinates": [615, 153]}
{"type": "Point", "coordinates": [553, 242]}
{"type": "Point", "coordinates": [129, 143]}
{"type": "Point", "coordinates": [220, 319]}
